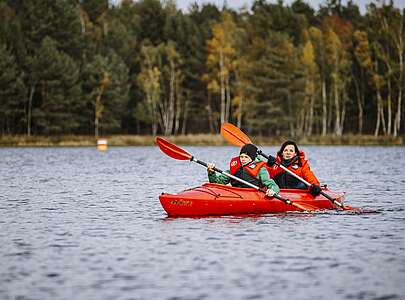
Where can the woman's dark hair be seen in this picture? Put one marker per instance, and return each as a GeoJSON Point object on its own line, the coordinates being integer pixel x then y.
{"type": "Point", "coordinates": [285, 144]}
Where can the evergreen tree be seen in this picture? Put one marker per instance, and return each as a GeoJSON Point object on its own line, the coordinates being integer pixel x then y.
{"type": "Point", "coordinates": [81, 66]}
{"type": "Point", "coordinates": [12, 91]}
{"type": "Point", "coordinates": [151, 16]}
{"type": "Point", "coordinates": [194, 52]}
{"type": "Point", "coordinates": [58, 91]}
{"type": "Point", "coordinates": [95, 9]}
{"type": "Point", "coordinates": [105, 92]}
{"type": "Point", "coordinates": [57, 19]}
{"type": "Point", "coordinates": [279, 84]}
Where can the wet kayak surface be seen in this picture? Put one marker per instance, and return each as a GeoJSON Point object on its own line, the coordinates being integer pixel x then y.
{"type": "Point", "coordinates": [81, 224]}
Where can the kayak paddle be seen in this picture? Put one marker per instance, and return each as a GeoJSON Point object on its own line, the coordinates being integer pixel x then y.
{"type": "Point", "coordinates": [238, 138]}
{"type": "Point", "coordinates": [180, 154]}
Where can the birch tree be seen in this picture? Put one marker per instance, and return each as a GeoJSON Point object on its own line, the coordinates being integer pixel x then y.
{"type": "Point", "coordinates": [172, 105]}
{"type": "Point", "coordinates": [317, 39]}
{"type": "Point", "coordinates": [337, 57]}
{"type": "Point", "coordinates": [220, 56]}
{"type": "Point", "coordinates": [149, 81]}
{"type": "Point", "coordinates": [311, 79]}
{"type": "Point", "coordinates": [362, 54]}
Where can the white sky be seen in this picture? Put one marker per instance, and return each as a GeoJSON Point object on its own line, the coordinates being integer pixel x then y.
{"type": "Point", "coordinates": [236, 4]}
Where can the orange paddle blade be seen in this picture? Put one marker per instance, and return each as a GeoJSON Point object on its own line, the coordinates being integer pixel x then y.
{"type": "Point", "coordinates": [234, 135]}
{"type": "Point", "coordinates": [172, 150]}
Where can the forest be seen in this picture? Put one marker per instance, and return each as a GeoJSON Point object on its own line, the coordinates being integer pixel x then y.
{"type": "Point", "coordinates": [97, 67]}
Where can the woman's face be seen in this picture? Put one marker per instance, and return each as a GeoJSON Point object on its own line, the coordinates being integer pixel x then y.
{"type": "Point", "coordinates": [244, 159]}
{"type": "Point", "coordinates": [289, 152]}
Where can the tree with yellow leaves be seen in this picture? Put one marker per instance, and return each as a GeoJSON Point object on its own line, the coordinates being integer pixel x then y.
{"type": "Point", "coordinates": [149, 81]}
{"type": "Point", "coordinates": [219, 60]}
{"type": "Point", "coordinates": [338, 60]}
{"type": "Point", "coordinates": [172, 104]}
{"type": "Point", "coordinates": [362, 55]}
{"type": "Point", "coordinates": [311, 79]}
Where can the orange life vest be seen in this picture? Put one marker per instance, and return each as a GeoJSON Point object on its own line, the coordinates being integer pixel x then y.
{"type": "Point", "coordinates": [300, 168]}
{"type": "Point", "coordinates": [247, 173]}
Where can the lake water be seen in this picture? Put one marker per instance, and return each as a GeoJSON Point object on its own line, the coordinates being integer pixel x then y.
{"type": "Point", "coordinates": [76, 223]}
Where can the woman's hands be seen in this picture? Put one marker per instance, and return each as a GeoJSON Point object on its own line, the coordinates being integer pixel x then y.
{"type": "Point", "coordinates": [315, 190]}
{"type": "Point", "coordinates": [271, 161]}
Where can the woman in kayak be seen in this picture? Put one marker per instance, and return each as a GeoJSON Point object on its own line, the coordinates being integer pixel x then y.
{"type": "Point", "coordinates": [294, 160]}
{"type": "Point", "coordinates": [247, 167]}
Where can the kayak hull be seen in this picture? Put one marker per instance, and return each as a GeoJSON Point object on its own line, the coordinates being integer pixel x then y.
{"type": "Point", "coordinates": [216, 199]}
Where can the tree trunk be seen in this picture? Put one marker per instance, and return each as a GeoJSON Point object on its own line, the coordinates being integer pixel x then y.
{"type": "Point", "coordinates": [337, 105]}
{"type": "Point", "coordinates": [183, 129]}
{"type": "Point", "coordinates": [31, 96]}
{"type": "Point", "coordinates": [343, 114]}
{"type": "Point", "coordinates": [178, 108]}
{"type": "Point", "coordinates": [222, 86]}
{"type": "Point", "coordinates": [291, 124]}
{"type": "Point", "coordinates": [228, 98]}
{"type": "Point", "coordinates": [380, 115]}
{"type": "Point", "coordinates": [239, 91]}
{"type": "Point", "coordinates": [324, 109]}
{"type": "Point", "coordinates": [389, 107]}
{"type": "Point", "coordinates": [330, 111]}
{"type": "Point", "coordinates": [170, 117]}
{"type": "Point", "coordinates": [96, 127]}
{"type": "Point", "coordinates": [383, 124]}
{"type": "Point", "coordinates": [239, 119]}
{"type": "Point", "coordinates": [311, 115]}
{"type": "Point", "coordinates": [153, 111]}
{"type": "Point", "coordinates": [360, 101]}
{"type": "Point", "coordinates": [401, 52]}
{"type": "Point", "coordinates": [397, 122]}
{"type": "Point", "coordinates": [300, 123]}
{"type": "Point", "coordinates": [377, 125]}
{"type": "Point", "coordinates": [154, 120]}
{"type": "Point", "coordinates": [209, 113]}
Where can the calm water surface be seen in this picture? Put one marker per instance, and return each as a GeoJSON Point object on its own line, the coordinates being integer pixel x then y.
{"type": "Point", "coordinates": [76, 223]}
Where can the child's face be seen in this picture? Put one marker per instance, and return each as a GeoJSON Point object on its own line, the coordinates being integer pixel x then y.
{"type": "Point", "coordinates": [244, 159]}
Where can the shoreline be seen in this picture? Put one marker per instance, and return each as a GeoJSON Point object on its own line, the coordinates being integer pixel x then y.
{"type": "Point", "coordinates": [190, 140]}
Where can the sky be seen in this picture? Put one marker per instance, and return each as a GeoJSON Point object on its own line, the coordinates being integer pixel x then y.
{"type": "Point", "coordinates": [236, 4]}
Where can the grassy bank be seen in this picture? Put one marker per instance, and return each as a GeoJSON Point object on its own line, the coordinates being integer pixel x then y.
{"type": "Point", "coordinates": [194, 139]}
{"type": "Point", "coordinates": [113, 140]}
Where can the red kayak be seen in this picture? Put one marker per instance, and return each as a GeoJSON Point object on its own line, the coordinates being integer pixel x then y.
{"type": "Point", "coordinates": [216, 199]}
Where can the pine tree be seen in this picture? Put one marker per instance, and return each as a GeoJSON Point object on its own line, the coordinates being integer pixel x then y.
{"type": "Point", "coordinates": [104, 83]}
{"type": "Point", "coordinates": [12, 90]}
{"type": "Point", "coordinates": [279, 86]}
{"type": "Point", "coordinates": [58, 92]}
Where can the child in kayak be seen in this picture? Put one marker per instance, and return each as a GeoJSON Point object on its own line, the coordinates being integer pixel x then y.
{"type": "Point", "coordinates": [247, 167]}
{"type": "Point", "coordinates": [294, 160]}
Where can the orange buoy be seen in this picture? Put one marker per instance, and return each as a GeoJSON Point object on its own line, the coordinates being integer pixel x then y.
{"type": "Point", "coordinates": [102, 144]}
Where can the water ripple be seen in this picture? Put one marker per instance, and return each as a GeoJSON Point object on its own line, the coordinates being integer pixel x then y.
{"type": "Point", "coordinates": [79, 224]}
